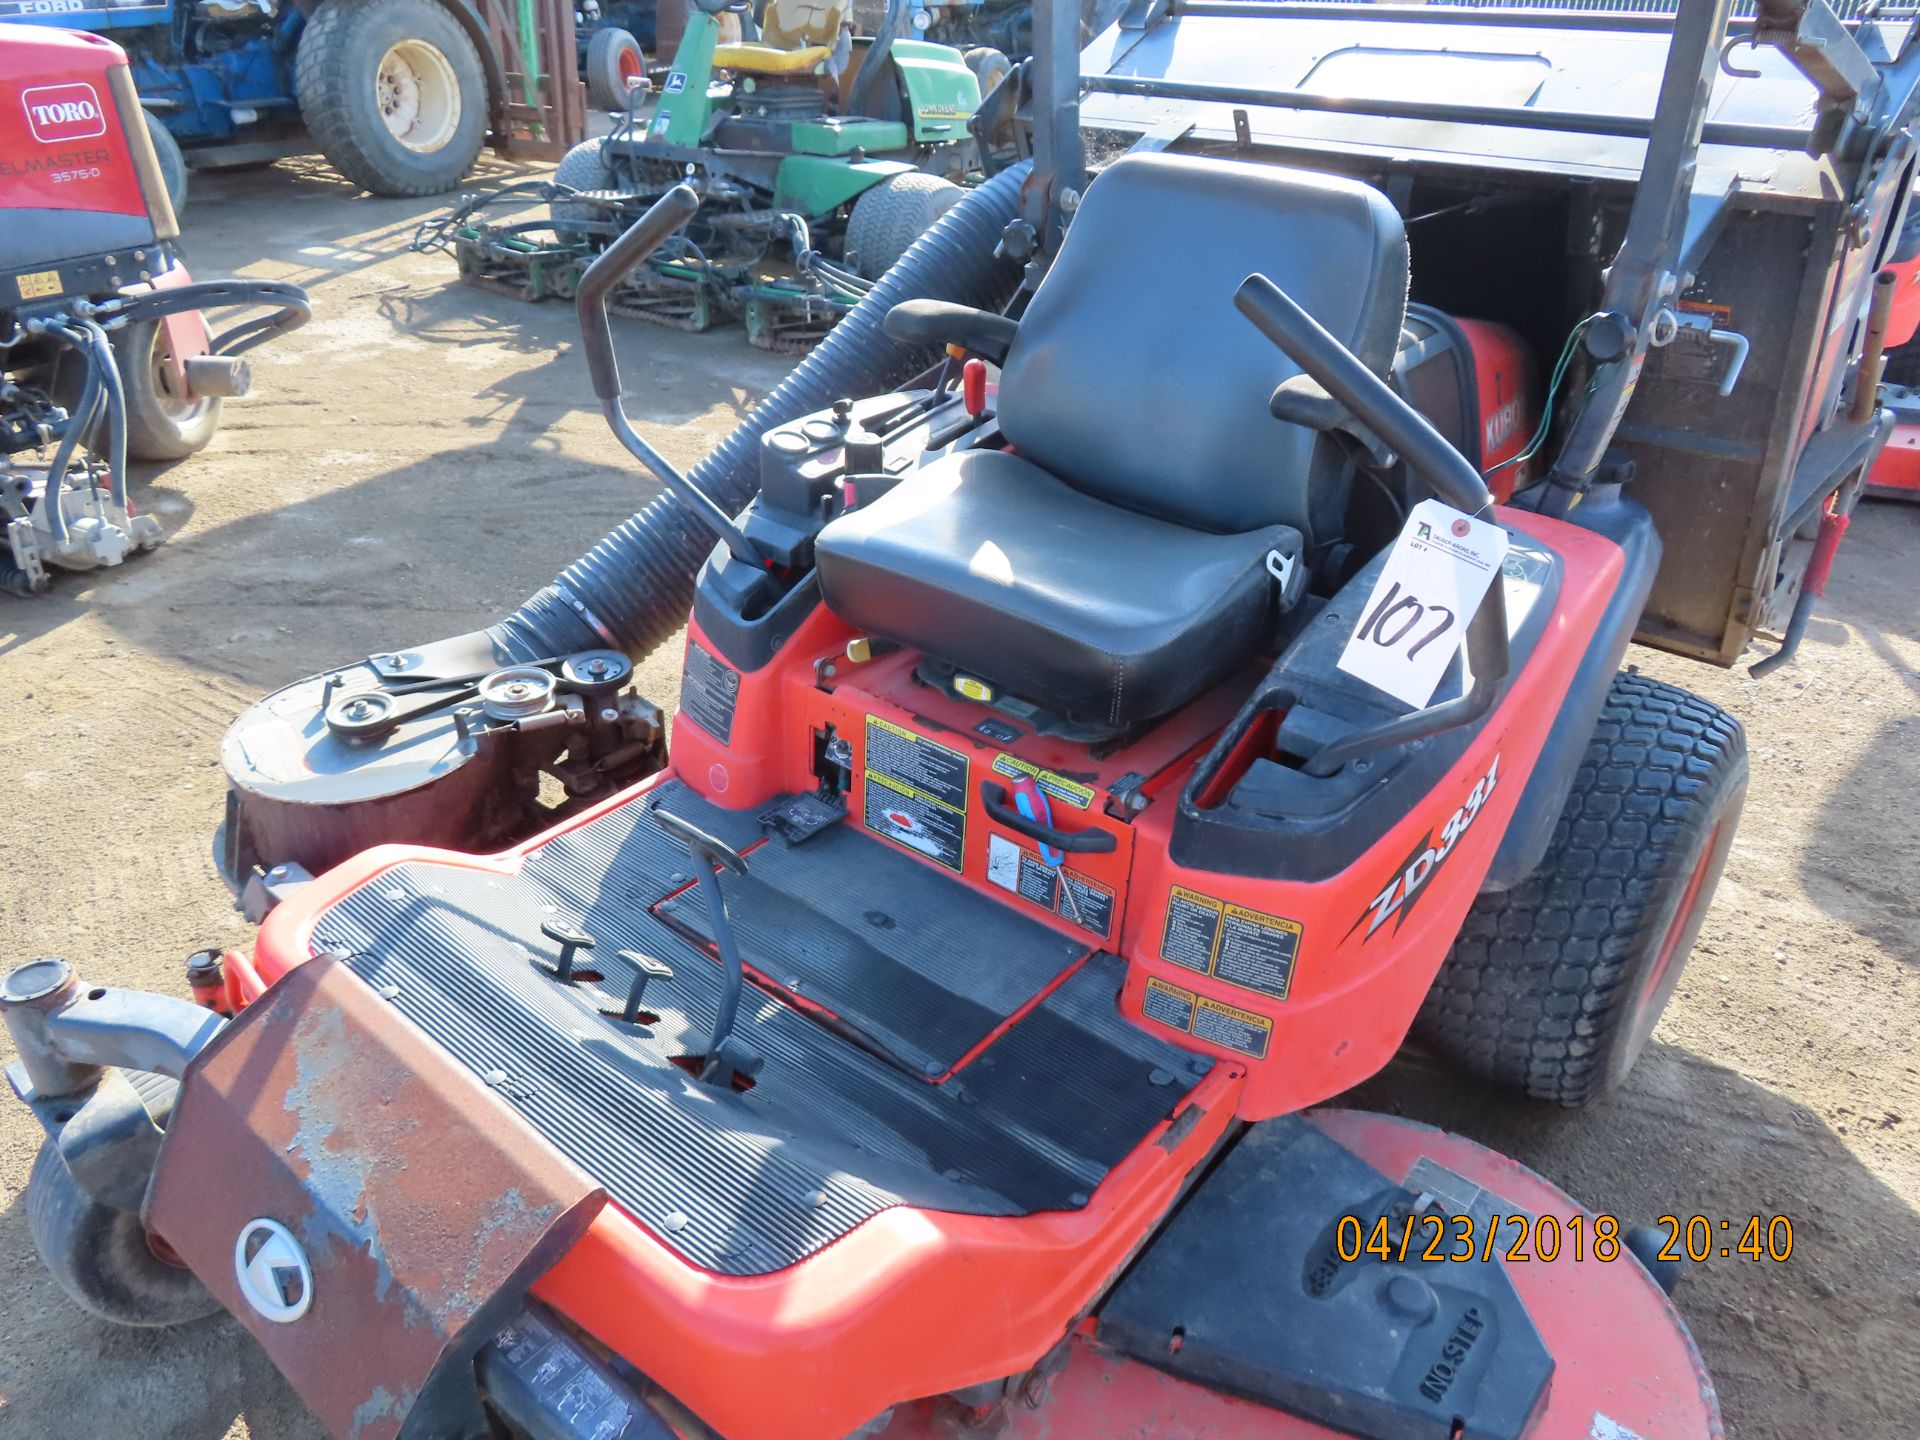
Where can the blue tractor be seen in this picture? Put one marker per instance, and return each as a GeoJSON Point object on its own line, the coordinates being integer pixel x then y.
{"type": "Point", "coordinates": [394, 93]}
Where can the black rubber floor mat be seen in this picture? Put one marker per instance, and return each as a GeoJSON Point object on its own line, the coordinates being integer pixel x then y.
{"type": "Point", "coordinates": [829, 1135]}
{"type": "Point", "coordinates": [911, 959]}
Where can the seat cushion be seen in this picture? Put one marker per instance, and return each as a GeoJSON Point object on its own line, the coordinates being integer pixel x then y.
{"type": "Point", "coordinates": [766, 60]}
{"type": "Point", "coordinates": [1097, 614]}
{"type": "Point", "coordinates": [1136, 380]}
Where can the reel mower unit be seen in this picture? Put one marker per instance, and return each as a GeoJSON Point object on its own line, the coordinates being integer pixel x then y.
{"type": "Point", "coordinates": [104, 354]}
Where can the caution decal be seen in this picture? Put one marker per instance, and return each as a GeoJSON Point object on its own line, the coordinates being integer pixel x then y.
{"type": "Point", "coordinates": [1241, 946]}
{"type": "Point", "coordinates": [1063, 892]}
{"type": "Point", "coordinates": [1057, 786]}
{"type": "Point", "coordinates": [916, 793]}
{"type": "Point", "coordinates": [709, 688]}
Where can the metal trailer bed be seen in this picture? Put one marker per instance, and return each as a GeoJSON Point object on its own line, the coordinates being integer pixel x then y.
{"type": "Point", "coordinates": [1754, 266]}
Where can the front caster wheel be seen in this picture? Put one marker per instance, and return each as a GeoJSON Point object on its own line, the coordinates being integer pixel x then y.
{"type": "Point", "coordinates": [102, 1257]}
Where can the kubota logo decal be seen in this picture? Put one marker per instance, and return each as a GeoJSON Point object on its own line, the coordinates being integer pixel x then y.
{"type": "Point", "coordinates": [1500, 426]}
{"type": "Point", "coordinates": [1410, 877]}
{"type": "Point", "coordinates": [57, 113]}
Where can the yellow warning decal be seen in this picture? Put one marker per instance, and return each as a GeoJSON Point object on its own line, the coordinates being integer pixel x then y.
{"type": "Point", "coordinates": [915, 792]}
{"type": "Point", "coordinates": [1241, 946]}
{"type": "Point", "coordinates": [1169, 1004]}
{"type": "Point", "coordinates": [1232, 1027]}
{"type": "Point", "coordinates": [1227, 1026]}
{"type": "Point", "coordinates": [1057, 786]}
{"type": "Point", "coordinates": [38, 285]}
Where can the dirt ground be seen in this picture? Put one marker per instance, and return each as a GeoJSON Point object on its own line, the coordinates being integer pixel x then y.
{"type": "Point", "coordinates": [422, 456]}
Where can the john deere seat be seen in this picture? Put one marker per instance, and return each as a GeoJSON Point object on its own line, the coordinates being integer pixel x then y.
{"type": "Point", "coordinates": [797, 37]}
{"type": "Point", "coordinates": [1113, 563]}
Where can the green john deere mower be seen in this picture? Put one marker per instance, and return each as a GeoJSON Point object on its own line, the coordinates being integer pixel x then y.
{"type": "Point", "coordinates": [819, 158]}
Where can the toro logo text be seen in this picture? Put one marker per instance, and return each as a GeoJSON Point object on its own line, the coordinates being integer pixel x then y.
{"type": "Point", "coordinates": [58, 113]}
{"type": "Point", "coordinates": [1410, 877]}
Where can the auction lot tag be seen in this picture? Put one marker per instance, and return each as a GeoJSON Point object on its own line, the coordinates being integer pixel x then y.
{"type": "Point", "coordinates": [1416, 617]}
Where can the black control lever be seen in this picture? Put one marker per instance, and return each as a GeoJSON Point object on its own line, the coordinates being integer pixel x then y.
{"type": "Point", "coordinates": [1444, 471]}
{"type": "Point", "coordinates": [710, 856]}
{"type": "Point", "coordinates": [1078, 842]}
{"type": "Point", "coordinates": [646, 235]}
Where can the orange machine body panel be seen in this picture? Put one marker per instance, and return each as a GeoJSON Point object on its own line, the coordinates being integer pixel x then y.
{"type": "Point", "coordinates": [843, 1334]}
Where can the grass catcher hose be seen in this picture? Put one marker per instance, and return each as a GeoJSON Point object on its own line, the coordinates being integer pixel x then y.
{"type": "Point", "coordinates": [632, 589]}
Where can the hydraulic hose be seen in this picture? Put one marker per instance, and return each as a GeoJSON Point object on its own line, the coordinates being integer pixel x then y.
{"type": "Point", "coordinates": [632, 590]}
{"type": "Point", "coordinates": [114, 384]}
{"type": "Point", "coordinates": [101, 388]}
{"type": "Point", "coordinates": [292, 309]}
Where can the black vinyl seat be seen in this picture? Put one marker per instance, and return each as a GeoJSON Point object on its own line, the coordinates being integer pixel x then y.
{"type": "Point", "coordinates": [1114, 564]}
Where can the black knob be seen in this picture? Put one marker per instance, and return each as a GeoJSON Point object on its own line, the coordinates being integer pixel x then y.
{"type": "Point", "coordinates": [1609, 337]}
{"type": "Point", "coordinates": [645, 968]}
{"type": "Point", "coordinates": [570, 939]}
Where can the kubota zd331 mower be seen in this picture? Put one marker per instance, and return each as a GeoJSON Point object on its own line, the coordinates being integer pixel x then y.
{"type": "Point", "coordinates": [1093, 752]}
{"type": "Point", "coordinates": [104, 354]}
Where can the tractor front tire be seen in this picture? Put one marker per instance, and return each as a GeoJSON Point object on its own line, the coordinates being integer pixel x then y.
{"type": "Point", "coordinates": [161, 424]}
{"type": "Point", "coordinates": [1554, 986]}
{"type": "Point", "coordinates": [393, 93]}
{"type": "Point", "coordinates": [614, 69]}
{"type": "Point", "coordinates": [887, 219]}
{"type": "Point", "coordinates": [173, 163]}
{"type": "Point", "coordinates": [102, 1257]}
{"type": "Point", "coordinates": [989, 67]}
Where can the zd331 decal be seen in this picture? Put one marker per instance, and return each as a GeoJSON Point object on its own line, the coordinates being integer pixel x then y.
{"type": "Point", "coordinates": [1410, 878]}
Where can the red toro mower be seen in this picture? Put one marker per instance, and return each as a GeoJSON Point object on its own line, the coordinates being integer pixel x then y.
{"type": "Point", "coordinates": [1079, 775]}
{"type": "Point", "coordinates": [104, 351]}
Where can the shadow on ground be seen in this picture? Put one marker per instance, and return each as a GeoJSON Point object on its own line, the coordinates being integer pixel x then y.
{"type": "Point", "coordinates": [399, 559]}
{"type": "Point", "coordinates": [202, 1377]}
{"type": "Point", "coordinates": [1870, 889]}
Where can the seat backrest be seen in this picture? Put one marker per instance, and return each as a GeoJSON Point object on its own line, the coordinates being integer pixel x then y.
{"type": "Point", "coordinates": [1136, 380]}
{"type": "Point", "coordinates": [797, 24]}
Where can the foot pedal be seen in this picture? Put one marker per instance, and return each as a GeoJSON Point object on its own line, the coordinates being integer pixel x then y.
{"type": "Point", "coordinates": [798, 818]}
{"type": "Point", "coordinates": [1248, 1291]}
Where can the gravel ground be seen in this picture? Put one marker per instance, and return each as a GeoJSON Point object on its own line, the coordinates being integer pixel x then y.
{"type": "Point", "coordinates": [423, 455]}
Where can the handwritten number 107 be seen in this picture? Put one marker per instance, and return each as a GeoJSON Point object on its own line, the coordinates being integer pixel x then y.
{"type": "Point", "coordinates": [1397, 614]}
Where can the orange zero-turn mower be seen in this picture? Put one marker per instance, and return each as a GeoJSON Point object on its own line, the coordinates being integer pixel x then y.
{"type": "Point", "coordinates": [1138, 670]}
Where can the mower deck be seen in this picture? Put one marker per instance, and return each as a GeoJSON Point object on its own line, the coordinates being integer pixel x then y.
{"type": "Point", "coordinates": [1039, 1086]}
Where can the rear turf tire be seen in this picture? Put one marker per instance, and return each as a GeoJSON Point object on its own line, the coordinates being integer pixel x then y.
{"type": "Point", "coordinates": [887, 219]}
{"type": "Point", "coordinates": [584, 167]}
{"type": "Point", "coordinates": [1553, 987]}
{"type": "Point", "coordinates": [614, 66]}
{"type": "Point", "coordinates": [393, 93]}
{"type": "Point", "coordinates": [161, 425]}
{"type": "Point", "coordinates": [100, 1256]}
